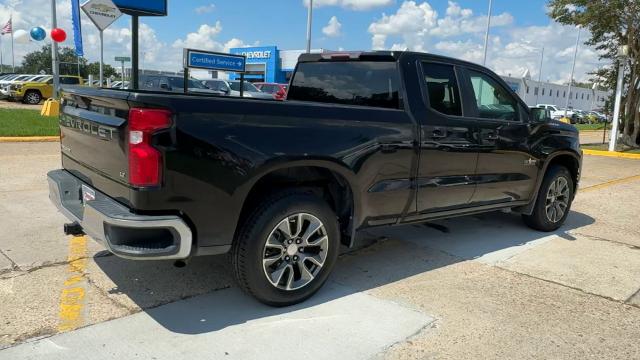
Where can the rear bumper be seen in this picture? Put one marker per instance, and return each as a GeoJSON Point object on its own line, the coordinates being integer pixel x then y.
{"type": "Point", "coordinates": [131, 236]}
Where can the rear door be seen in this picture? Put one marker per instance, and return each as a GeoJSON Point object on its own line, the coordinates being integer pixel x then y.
{"type": "Point", "coordinates": [507, 171]}
{"type": "Point", "coordinates": [448, 145]}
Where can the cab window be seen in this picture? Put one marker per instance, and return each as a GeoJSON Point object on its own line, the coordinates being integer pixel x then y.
{"type": "Point", "coordinates": [442, 88]}
{"type": "Point", "coordinates": [69, 80]}
{"type": "Point", "coordinates": [493, 101]}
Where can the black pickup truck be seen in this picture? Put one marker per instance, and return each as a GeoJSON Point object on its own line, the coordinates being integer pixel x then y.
{"type": "Point", "coordinates": [365, 139]}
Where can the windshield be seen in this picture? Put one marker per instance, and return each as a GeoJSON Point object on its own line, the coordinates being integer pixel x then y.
{"type": "Point", "coordinates": [249, 87]}
{"type": "Point", "coordinates": [178, 83]}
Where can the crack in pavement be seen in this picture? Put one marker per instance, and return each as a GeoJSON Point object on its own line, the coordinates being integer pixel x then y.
{"type": "Point", "coordinates": [14, 266]}
{"type": "Point", "coordinates": [48, 265]}
{"type": "Point", "coordinates": [637, 293]}
{"type": "Point", "coordinates": [622, 302]}
{"type": "Point", "coordinates": [597, 238]}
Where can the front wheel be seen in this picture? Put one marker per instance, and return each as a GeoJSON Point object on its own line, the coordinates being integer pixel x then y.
{"type": "Point", "coordinates": [554, 200]}
{"type": "Point", "coordinates": [32, 98]}
{"type": "Point", "coordinates": [286, 248]}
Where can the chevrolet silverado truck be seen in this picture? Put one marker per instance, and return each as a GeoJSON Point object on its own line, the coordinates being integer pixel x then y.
{"type": "Point", "coordinates": [364, 140]}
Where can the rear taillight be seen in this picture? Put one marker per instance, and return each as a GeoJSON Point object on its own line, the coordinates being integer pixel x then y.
{"type": "Point", "coordinates": [145, 161]}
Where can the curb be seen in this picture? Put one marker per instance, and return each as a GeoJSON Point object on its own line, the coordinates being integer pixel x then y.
{"type": "Point", "coordinates": [611, 154]}
{"type": "Point", "coordinates": [22, 139]}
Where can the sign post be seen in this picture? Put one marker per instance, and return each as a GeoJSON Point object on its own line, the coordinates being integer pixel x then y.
{"type": "Point", "coordinates": [207, 60]}
{"type": "Point", "coordinates": [137, 8]}
{"type": "Point", "coordinates": [102, 13]}
{"type": "Point", "coordinates": [123, 59]}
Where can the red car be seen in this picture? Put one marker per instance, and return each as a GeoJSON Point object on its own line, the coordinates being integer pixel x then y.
{"type": "Point", "coordinates": [279, 91]}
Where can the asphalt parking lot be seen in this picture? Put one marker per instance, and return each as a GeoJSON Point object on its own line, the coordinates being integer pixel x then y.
{"type": "Point", "coordinates": [475, 287]}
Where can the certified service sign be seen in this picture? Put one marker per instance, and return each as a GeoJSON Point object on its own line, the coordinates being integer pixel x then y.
{"type": "Point", "coordinates": [102, 12]}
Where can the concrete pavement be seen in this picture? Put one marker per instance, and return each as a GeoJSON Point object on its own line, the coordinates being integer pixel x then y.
{"type": "Point", "coordinates": [475, 287]}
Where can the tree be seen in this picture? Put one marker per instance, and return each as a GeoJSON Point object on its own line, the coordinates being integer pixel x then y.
{"type": "Point", "coordinates": [612, 23]}
{"type": "Point", "coordinates": [40, 60]}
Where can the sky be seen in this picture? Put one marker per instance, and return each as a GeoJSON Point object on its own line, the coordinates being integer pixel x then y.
{"type": "Point", "coordinates": [454, 28]}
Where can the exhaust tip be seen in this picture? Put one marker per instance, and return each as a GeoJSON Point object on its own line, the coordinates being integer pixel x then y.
{"type": "Point", "coordinates": [180, 264]}
{"type": "Point", "coordinates": [73, 229]}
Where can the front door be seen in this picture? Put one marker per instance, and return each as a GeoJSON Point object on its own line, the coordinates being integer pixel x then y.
{"type": "Point", "coordinates": [448, 145]}
{"type": "Point", "coordinates": [506, 169]}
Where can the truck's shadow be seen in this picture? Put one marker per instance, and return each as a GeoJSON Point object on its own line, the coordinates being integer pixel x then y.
{"type": "Point", "coordinates": [389, 255]}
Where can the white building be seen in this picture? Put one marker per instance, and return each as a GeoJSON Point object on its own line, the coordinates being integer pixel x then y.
{"type": "Point", "coordinates": [534, 93]}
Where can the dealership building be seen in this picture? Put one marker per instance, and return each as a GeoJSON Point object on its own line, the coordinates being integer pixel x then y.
{"type": "Point", "coordinates": [269, 64]}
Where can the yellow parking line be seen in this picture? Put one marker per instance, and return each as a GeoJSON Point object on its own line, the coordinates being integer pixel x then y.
{"type": "Point", "coordinates": [73, 295]}
{"type": "Point", "coordinates": [611, 183]}
{"type": "Point", "coordinates": [12, 139]}
{"type": "Point", "coordinates": [613, 154]}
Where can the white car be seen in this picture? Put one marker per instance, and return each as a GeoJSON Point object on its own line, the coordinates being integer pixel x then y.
{"type": "Point", "coordinates": [556, 112]}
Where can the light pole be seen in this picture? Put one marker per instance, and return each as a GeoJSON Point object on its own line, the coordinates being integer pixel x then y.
{"type": "Point", "coordinates": [540, 76]}
{"type": "Point", "coordinates": [573, 69]}
{"type": "Point", "coordinates": [623, 52]}
{"type": "Point", "coordinates": [54, 52]}
{"type": "Point", "coordinates": [486, 35]}
{"type": "Point", "coordinates": [309, 23]}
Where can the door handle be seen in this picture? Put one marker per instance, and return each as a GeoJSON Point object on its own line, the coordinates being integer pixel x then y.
{"type": "Point", "coordinates": [388, 148]}
{"type": "Point", "coordinates": [492, 136]}
{"type": "Point", "coordinates": [439, 133]}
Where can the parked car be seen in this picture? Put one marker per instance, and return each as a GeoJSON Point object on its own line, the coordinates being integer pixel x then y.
{"type": "Point", "coordinates": [279, 91]}
{"type": "Point", "coordinates": [232, 88]}
{"type": "Point", "coordinates": [16, 85]}
{"type": "Point", "coordinates": [173, 83]}
{"type": "Point", "coordinates": [364, 140]}
{"type": "Point", "coordinates": [34, 92]}
{"type": "Point", "coordinates": [557, 112]}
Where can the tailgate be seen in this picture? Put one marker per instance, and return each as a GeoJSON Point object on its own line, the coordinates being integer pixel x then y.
{"type": "Point", "coordinates": [93, 133]}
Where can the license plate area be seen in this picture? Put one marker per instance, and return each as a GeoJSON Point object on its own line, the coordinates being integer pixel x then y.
{"type": "Point", "coordinates": [88, 194]}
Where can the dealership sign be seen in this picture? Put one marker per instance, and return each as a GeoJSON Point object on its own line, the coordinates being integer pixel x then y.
{"type": "Point", "coordinates": [214, 61]}
{"type": "Point", "coordinates": [102, 12]}
{"type": "Point", "coordinates": [264, 54]}
{"type": "Point", "coordinates": [143, 7]}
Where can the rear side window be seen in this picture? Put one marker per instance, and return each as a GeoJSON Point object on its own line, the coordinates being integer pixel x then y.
{"type": "Point", "coordinates": [364, 83]}
{"type": "Point", "coordinates": [442, 86]}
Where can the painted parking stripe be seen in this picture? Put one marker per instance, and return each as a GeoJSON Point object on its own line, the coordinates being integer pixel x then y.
{"type": "Point", "coordinates": [611, 183]}
{"type": "Point", "coordinates": [71, 313]}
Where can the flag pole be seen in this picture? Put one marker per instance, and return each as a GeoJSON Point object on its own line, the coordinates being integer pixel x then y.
{"type": "Point", "coordinates": [13, 57]}
{"type": "Point", "coordinates": [1, 56]}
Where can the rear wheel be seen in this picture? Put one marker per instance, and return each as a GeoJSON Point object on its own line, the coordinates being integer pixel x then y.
{"type": "Point", "coordinates": [32, 97]}
{"type": "Point", "coordinates": [286, 248]}
{"type": "Point", "coordinates": [554, 200]}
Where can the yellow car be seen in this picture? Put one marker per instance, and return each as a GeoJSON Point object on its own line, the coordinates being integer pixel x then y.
{"type": "Point", "coordinates": [34, 92]}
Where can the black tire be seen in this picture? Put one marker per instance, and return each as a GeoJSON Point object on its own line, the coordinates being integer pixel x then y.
{"type": "Point", "coordinates": [248, 249]}
{"type": "Point", "coordinates": [32, 97]}
{"type": "Point", "coordinates": [540, 219]}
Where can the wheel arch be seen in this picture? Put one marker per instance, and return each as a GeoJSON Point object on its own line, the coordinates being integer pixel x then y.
{"type": "Point", "coordinates": [331, 181]}
{"type": "Point", "coordinates": [569, 159]}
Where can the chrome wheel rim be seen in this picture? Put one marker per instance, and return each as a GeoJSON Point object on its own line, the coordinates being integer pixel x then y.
{"type": "Point", "coordinates": [295, 252]}
{"type": "Point", "coordinates": [557, 201]}
{"type": "Point", "coordinates": [31, 98]}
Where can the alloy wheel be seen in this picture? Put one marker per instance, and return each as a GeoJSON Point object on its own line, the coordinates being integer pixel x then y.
{"type": "Point", "coordinates": [295, 251]}
{"type": "Point", "coordinates": [557, 201]}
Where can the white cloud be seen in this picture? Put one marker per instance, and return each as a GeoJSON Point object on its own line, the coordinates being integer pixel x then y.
{"type": "Point", "coordinates": [333, 28]}
{"type": "Point", "coordinates": [460, 33]}
{"type": "Point", "coordinates": [205, 9]}
{"type": "Point", "coordinates": [202, 39]}
{"type": "Point", "coordinates": [359, 5]}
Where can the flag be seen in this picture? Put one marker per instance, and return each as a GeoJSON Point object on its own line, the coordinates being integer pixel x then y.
{"type": "Point", "coordinates": [8, 28]}
{"type": "Point", "coordinates": [77, 27]}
